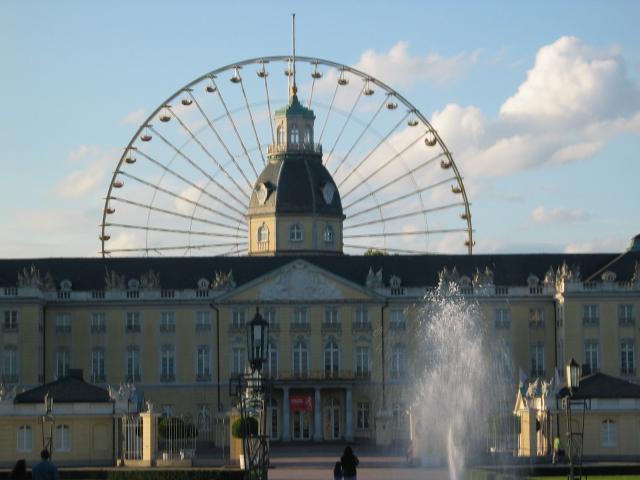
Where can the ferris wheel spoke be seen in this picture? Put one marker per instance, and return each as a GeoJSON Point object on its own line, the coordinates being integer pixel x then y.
{"type": "Point", "coordinates": [364, 130]}
{"type": "Point", "coordinates": [371, 152]}
{"type": "Point", "coordinates": [404, 215]}
{"type": "Point", "coordinates": [377, 247]}
{"type": "Point", "coordinates": [172, 230]}
{"type": "Point", "coordinates": [224, 145]}
{"type": "Point", "coordinates": [191, 184]}
{"type": "Point", "coordinates": [326, 119]}
{"type": "Point", "coordinates": [313, 85]}
{"type": "Point", "coordinates": [391, 182]}
{"type": "Point", "coordinates": [235, 128]}
{"type": "Point", "coordinates": [178, 247]}
{"type": "Point", "coordinates": [408, 233]}
{"type": "Point", "coordinates": [402, 197]}
{"type": "Point", "coordinates": [177, 214]}
{"type": "Point", "coordinates": [186, 128]}
{"type": "Point", "coordinates": [253, 125]}
{"type": "Point", "coordinates": [344, 125]}
{"type": "Point", "coordinates": [266, 90]}
{"type": "Point", "coordinates": [181, 197]}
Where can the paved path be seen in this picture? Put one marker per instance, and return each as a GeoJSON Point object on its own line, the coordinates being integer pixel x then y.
{"type": "Point", "coordinates": [315, 462]}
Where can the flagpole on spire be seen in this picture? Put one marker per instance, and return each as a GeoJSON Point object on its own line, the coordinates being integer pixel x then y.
{"type": "Point", "coordinates": [293, 41]}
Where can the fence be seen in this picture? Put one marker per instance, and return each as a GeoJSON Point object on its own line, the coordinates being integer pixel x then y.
{"type": "Point", "coordinates": [131, 430]}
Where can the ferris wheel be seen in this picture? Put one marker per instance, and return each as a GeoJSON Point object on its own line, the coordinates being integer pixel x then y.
{"type": "Point", "coordinates": [183, 184]}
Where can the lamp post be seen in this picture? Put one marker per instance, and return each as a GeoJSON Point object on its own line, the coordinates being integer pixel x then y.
{"type": "Point", "coordinates": [48, 420]}
{"type": "Point", "coordinates": [573, 374]}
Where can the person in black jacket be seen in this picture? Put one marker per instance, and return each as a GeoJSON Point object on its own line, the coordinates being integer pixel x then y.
{"type": "Point", "coordinates": [349, 463]}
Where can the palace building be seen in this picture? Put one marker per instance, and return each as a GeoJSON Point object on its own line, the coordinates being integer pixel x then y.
{"type": "Point", "coordinates": [340, 325]}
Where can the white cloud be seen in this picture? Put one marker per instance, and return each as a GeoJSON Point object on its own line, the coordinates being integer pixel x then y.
{"type": "Point", "coordinates": [599, 245]}
{"type": "Point", "coordinates": [136, 117]}
{"type": "Point", "coordinates": [544, 216]}
{"type": "Point", "coordinates": [399, 67]}
{"type": "Point", "coordinates": [90, 178]}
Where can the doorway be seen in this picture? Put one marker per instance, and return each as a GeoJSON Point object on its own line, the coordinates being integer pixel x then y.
{"type": "Point", "coordinates": [301, 425]}
{"type": "Point", "coordinates": [332, 420]}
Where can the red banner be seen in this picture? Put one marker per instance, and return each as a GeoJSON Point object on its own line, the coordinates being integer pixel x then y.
{"type": "Point", "coordinates": [301, 403]}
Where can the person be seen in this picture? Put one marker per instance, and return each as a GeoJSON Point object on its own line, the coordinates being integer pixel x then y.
{"type": "Point", "coordinates": [556, 449]}
{"type": "Point", "coordinates": [45, 470]}
{"type": "Point", "coordinates": [349, 463]}
{"type": "Point", "coordinates": [337, 471]}
{"type": "Point", "coordinates": [19, 471]}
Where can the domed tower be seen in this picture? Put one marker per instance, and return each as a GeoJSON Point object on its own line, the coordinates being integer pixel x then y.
{"type": "Point", "coordinates": [295, 206]}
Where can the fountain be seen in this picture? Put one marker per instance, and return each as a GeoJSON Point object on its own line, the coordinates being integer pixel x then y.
{"type": "Point", "coordinates": [461, 378]}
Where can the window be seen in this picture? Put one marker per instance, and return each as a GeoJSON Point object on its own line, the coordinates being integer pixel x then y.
{"type": "Point", "coordinates": [294, 137]}
{"type": "Point", "coordinates": [10, 364]}
{"type": "Point", "coordinates": [273, 419]}
{"type": "Point", "coordinates": [361, 316]}
{"type": "Point", "coordinates": [204, 418]}
{"type": "Point", "coordinates": [398, 321]}
{"type": "Point", "coordinates": [98, 322]}
{"type": "Point", "coordinates": [63, 323]}
{"type": "Point", "coordinates": [280, 135]}
{"type": "Point", "coordinates": [203, 360]}
{"type": "Point", "coordinates": [166, 410]}
{"type": "Point", "coordinates": [263, 234]}
{"type": "Point", "coordinates": [168, 363]}
{"type": "Point", "coordinates": [270, 317]}
{"type": "Point", "coordinates": [167, 322]}
{"type": "Point", "coordinates": [331, 317]}
{"type": "Point", "coordinates": [300, 359]}
{"type": "Point", "coordinates": [24, 439]}
{"type": "Point", "coordinates": [10, 321]}
{"type": "Point", "coordinates": [203, 321]}
{"type": "Point", "coordinates": [398, 416]}
{"type": "Point", "coordinates": [132, 322]}
{"type": "Point", "coordinates": [307, 135]}
{"type": "Point", "coordinates": [502, 319]}
{"type": "Point", "coordinates": [63, 438]}
{"type": "Point", "coordinates": [536, 318]}
{"type": "Point", "coordinates": [331, 359]}
{"type": "Point", "coordinates": [590, 315]}
{"type": "Point", "coordinates": [238, 317]}
{"type": "Point", "coordinates": [627, 357]}
{"type": "Point", "coordinates": [133, 363]}
{"type": "Point", "coordinates": [625, 315]}
{"type": "Point", "coordinates": [398, 361]}
{"type": "Point", "coordinates": [62, 362]}
{"type": "Point", "coordinates": [328, 235]}
{"type": "Point", "coordinates": [362, 361]}
{"type": "Point", "coordinates": [537, 359]}
{"type": "Point", "coordinates": [300, 317]}
{"type": "Point", "coordinates": [609, 433]}
{"type": "Point", "coordinates": [362, 416]}
{"type": "Point", "coordinates": [591, 354]}
{"type": "Point", "coordinates": [295, 233]}
{"type": "Point", "coordinates": [272, 363]}
{"type": "Point", "coordinates": [238, 355]}
{"type": "Point", "coordinates": [97, 365]}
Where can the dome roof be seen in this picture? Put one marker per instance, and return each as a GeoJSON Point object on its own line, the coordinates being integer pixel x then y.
{"type": "Point", "coordinates": [295, 184]}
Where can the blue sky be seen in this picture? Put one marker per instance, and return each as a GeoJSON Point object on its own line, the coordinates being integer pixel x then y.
{"type": "Point", "coordinates": [539, 102]}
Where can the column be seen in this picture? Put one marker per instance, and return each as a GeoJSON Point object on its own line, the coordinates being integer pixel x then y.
{"type": "Point", "coordinates": [349, 415]}
{"type": "Point", "coordinates": [149, 439]}
{"type": "Point", "coordinates": [317, 418]}
{"type": "Point", "coordinates": [286, 408]}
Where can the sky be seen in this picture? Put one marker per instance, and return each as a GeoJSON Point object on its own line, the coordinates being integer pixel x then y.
{"type": "Point", "coordinates": [538, 101]}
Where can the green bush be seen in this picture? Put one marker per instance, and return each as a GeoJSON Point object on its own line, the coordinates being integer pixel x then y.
{"type": "Point", "coordinates": [177, 428]}
{"type": "Point", "coordinates": [238, 427]}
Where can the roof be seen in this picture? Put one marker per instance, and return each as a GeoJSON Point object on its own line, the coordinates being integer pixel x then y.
{"type": "Point", "coordinates": [600, 385]}
{"type": "Point", "coordinates": [295, 108]}
{"type": "Point", "coordinates": [69, 389]}
{"type": "Point", "coordinates": [295, 184]}
{"type": "Point", "coordinates": [413, 270]}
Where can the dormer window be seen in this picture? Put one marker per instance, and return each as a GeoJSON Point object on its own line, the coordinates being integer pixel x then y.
{"type": "Point", "coordinates": [294, 137]}
{"type": "Point", "coordinates": [295, 233]}
{"type": "Point", "coordinates": [328, 234]}
{"type": "Point", "coordinates": [280, 138]}
{"type": "Point", "coordinates": [263, 235]}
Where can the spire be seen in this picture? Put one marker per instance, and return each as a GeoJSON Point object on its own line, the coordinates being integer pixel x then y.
{"type": "Point", "coordinates": [294, 89]}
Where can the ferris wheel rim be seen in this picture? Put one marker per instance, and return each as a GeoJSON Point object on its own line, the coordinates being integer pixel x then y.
{"type": "Point", "coordinates": [312, 61]}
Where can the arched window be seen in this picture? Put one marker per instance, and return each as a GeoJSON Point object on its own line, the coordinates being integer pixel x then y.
{"type": "Point", "coordinates": [362, 361]}
{"type": "Point", "coordinates": [272, 426]}
{"type": "Point", "coordinates": [63, 438]}
{"type": "Point", "coordinates": [328, 234]}
{"type": "Point", "coordinates": [294, 136]}
{"type": "Point", "coordinates": [300, 359]}
{"type": "Point", "coordinates": [307, 135]}
{"type": "Point", "coordinates": [280, 133]}
{"type": "Point", "coordinates": [295, 233]}
{"type": "Point", "coordinates": [398, 361]}
{"type": "Point", "coordinates": [331, 359]}
{"type": "Point", "coordinates": [274, 357]}
{"type": "Point", "coordinates": [609, 433]}
{"type": "Point", "coordinates": [263, 234]}
{"type": "Point", "coordinates": [25, 439]}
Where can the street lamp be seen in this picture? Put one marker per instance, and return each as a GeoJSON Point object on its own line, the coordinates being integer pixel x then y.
{"type": "Point", "coordinates": [257, 341]}
{"type": "Point", "coordinates": [573, 373]}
